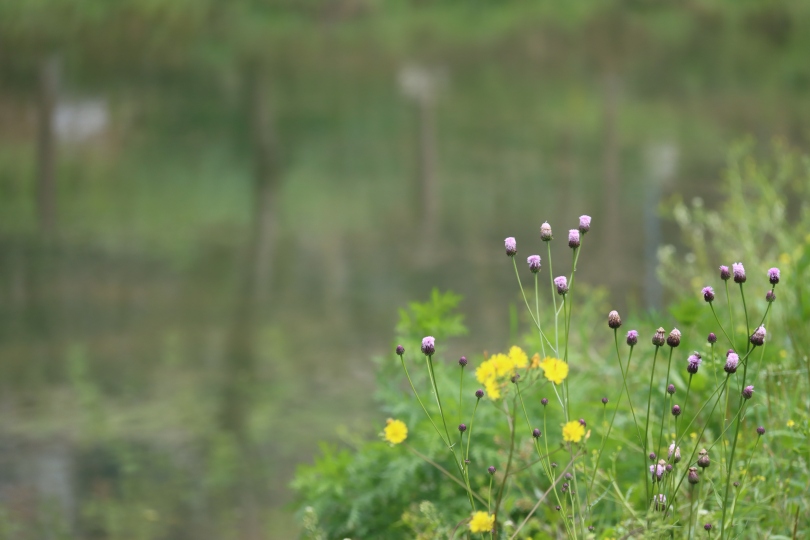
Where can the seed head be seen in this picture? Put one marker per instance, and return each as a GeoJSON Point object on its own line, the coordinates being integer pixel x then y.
{"type": "Point", "coordinates": [584, 224]}
{"type": "Point", "coordinates": [544, 401]}
{"type": "Point", "coordinates": [462, 427]}
{"type": "Point", "coordinates": [676, 410]}
{"type": "Point", "coordinates": [773, 276]}
{"type": "Point", "coordinates": [511, 246]}
{"type": "Point", "coordinates": [462, 361]}
{"type": "Point", "coordinates": [479, 393]}
{"type": "Point", "coordinates": [758, 337]}
{"type": "Point", "coordinates": [604, 401]}
{"type": "Point", "coordinates": [632, 337]}
{"type": "Point", "coordinates": [659, 338]}
{"type": "Point", "coordinates": [748, 392]}
{"type": "Point", "coordinates": [428, 345]}
{"type": "Point", "coordinates": [703, 459]}
{"type": "Point", "coordinates": [770, 296]}
{"type": "Point", "coordinates": [760, 431]}
{"type": "Point", "coordinates": [534, 263]}
{"type": "Point", "coordinates": [708, 294]}
{"type": "Point", "coordinates": [693, 476]}
{"type": "Point", "coordinates": [491, 469]}
{"type": "Point", "coordinates": [712, 338]}
{"type": "Point", "coordinates": [671, 389]}
{"type": "Point", "coordinates": [614, 321]}
{"type": "Point", "coordinates": [724, 273]}
{"type": "Point", "coordinates": [562, 285]}
{"type": "Point", "coordinates": [573, 238]}
{"type": "Point", "coordinates": [739, 272]}
{"type": "Point", "coordinates": [674, 338]}
{"type": "Point", "coordinates": [694, 361]}
{"type": "Point", "coordinates": [536, 433]}
{"type": "Point", "coordinates": [545, 232]}
{"type": "Point", "coordinates": [400, 350]}
{"type": "Point", "coordinates": [732, 361]}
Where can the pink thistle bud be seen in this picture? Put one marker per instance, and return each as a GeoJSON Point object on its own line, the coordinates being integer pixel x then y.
{"type": "Point", "coordinates": [573, 238]}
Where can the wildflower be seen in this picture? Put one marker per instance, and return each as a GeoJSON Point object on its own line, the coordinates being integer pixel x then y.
{"type": "Point", "coordinates": [674, 451]}
{"type": "Point", "coordinates": [511, 246]}
{"type": "Point", "coordinates": [535, 361]}
{"type": "Point", "coordinates": [712, 338]}
{"type": "Point", "coordinates": [708, 294]}
{"type": "Point", "coordinates": [703, 458]}
{"type": "Point", "coordinates": [479, 393]}
{"type": "Point", "coordinates": [515, 378]}
{"type": "Point", "coordinates": [562, 285]}
{"type": "Point", "coordinates": [732, 360]}
{"type": "Point", "coordinates": [660, 501]}
{"type": "Point", "coordinates": [748, 392]}
{"type": "Point", "coordinates": [674, 338]}
{"type": "Point", "coordinates": [534, 263]}
{"type": "Point", "coordinates": [693, 476]}
{"type": "Point", "coordinates": [676, 410]}
{"type": "Point", "coordinates": [428, 345]}
{"type": "Point", "coordinates": [573, 238]}
{"type": "Point", "coordinates": [582, 422]}
{"type": "Point", "coordinates": [584, 224]}
{"type": "Point", "coordinates": [739, 272]}
{"type": "Point", "coordinates": [659, 337]}
{"type": "Point", "coordinates": [708, 527]}
{"type": "Point", "coordinates": [791, 423]}
{"type": "Point", "coordinates": [694, 361]}
{"type": "Point", "coordinates": [770, 296]}
{"type": "Point", "coordinates": [761, 431]}
{"type": "Point", "coordinates": [493, 389]}
{"type": "Point", "coordinates": [545, 232]}
{"type": "Point", "coordinates": [462, 428]}
{"type": "Point", "coordinates": [632, 337]}
{"type": "Point", "coordinates": [400, 350]}
{"type": "Point", "coordinates": [395, 431]}
{"type": "Point", "coordinates": [462, 361]}
{"type": "Point", "coordinates": [724, 273]}
{"type": "Point", "coordinates": [491, 469]}
{"type": "Point", "coordinates": [518, 357]}
{"type": "Point", "coordinates": [668, 467]}
{"type": "Point", "coordinates": [591, 528]}
{"type": "Point", "coordinates": [573, 431]}
{"type": "Point", "coordinates": [652, 456]}
{"type": "Point", "coordinates": [544, 401]}
{"type": "Point", "coordinates": [758, 337]}
{"type": "Point", "coordinates": [536, 433]}
{"type": "Point", "coordinates": [671, 389]}
{"type": "Point", "coordinates": [554, 369]}
{"type": "Point", "coordinates": [482, 522]}
{"type": "Point", "coordinates": [614, 321]}
{"type": "Point", "coordinates": [557, 508]}
{"type": "Point", "coordinates": [773, 276]}
{"type": "Point", "coordinates": [604, 401]}
{"type": "Point", "coordinates": [657, 470]}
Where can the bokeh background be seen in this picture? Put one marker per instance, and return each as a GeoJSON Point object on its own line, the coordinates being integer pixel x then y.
{"type": "Point", "coordinates": [211, 211]}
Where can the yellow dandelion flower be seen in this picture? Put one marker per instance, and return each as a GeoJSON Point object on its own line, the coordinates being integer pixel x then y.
{"type": "Point", "coordinates": [536, 360]}
{"type": "Point", "coordinates": [482, 522]}
{"type": "Point", "coordinates": [693, 435]}
{"type": "Point", "coordinates": [791, 423]}
{"type": "Point", "coordinates": [503, 364]}
{"type": "Point", "coordinates": [485, 371]}
{"type": "Point", "coordinates": [518, 357]}
{"type": "Point", "coordinates": [555, 369]}
{"type": "Point", "coordinates": [573, 431]}
{"type": "Point", "coordinates": [395, 431]}
{"type": "Point", "coordinates": [493, 389]}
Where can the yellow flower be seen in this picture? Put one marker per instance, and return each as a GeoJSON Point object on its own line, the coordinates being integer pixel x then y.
{"type": "Point", "coordinates": [485, 371]}
{"type": "Point", "coordinates": [536, 360]}
{"type": "Point", "coordinates": [518, 357]}
{"type": "Point", "coordinates": [573, 431]}
{"type": "Point", "coordinates": [493, 389]}
{"type": "Point", "coordinates": [503, 364]}
{"type": "Point", "coordinates": [482, 522]}
{"type": "Point", "coordinates": [555, 369]}
{"type": "Point", "coordinates": [791, 423]}
{"type": "Point", "coordinates": [395, 431]}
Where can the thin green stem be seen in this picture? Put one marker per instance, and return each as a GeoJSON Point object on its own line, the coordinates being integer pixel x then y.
{"type": "Point", "coordinates": [730, 316]}
{"type": "Point", "coordinates": [537, 308]}
{"type": "Point", "coordinates": [460, 386]}
{"type": "Point", "coordinates": [554, 298]}
{"type": "Point", "coordinates": [402, 359]}
{"type": "Point", "coordinates": [664, 415]}
{"type": "Point", "coordinates": [526, 301]}
{"type": "Point", "coordinates": [647, 424]}
{"type": "Point", "coordinates": [731, 341]}
{"type": "Point", "coordinates": [467, 455]}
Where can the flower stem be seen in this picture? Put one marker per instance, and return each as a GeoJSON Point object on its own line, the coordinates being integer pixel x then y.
{"type": "Point", "coordinates": [647, 424]}
{"type": "Point", "coordinates": [664, 415]}
{"type": "Point", "coordinates": [422, 404]}
{"type": "Point", "coordinates": [554, 298]}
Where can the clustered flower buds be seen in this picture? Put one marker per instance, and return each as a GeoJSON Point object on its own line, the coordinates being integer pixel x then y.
{"type": "Point", "coordinates": [585, 224]}
{"type": "Point", "coordinates": [671, 389]}
{"type": "Point", "coordinates": [659, 338]}
{"type": "Point", "coordinates": [573, 238]}
{"type": "Point", "coordinates": [545, 232]}
{"type": "Point", "coordinates": [562, 285]}
{"type": "Point", "coordinates": [739, 272]}
{"type": "Point", "coordinates": [632, 337]}
{"type": "Point", "coordinates": [770, 296]}
{"type": "Point", "coordinates": [760, 431]}
{"type": "Point", "coordinates": [462, 361]}
{"type": "Point", "coordinates": [773, 276]}
{"type": "Point", "coordinates": [703, 458]}
{"type": "Point", "coordinates": [614, 321]}
{"type": "Point", "coordinates": [712, 338]}
{"type": "Point", "coordinates": [428, 345]}
{"type": "Point", "coordinates": [758, 337]}
{"type": "Point", "coordinates": [511, 246]}
{"type": "Point", "coordinates": [724, 273]}
{"type": "Point", "coordinates": [534, 263]}
{"type": "Point", "coordinates": [674, 338]}
{"type": "Point", "coordinates": [693, 476]}
{"type": "Point", "coordinates": [479, 393]}
{"type": "Point", "coordinates": [658, 470]}
{"type": "Point", "coordinates": [748, 392]}
{"type": "Point", "coordinates": [400, 350]}
{"type": "Point", "coordinates": [535, 433]}
{"type": "Point", "coordinates": [732, 361]}
{"type": "Point", "coordinates": [676, 410]}
{"type": "Point", "coordinates": [694, 362]}
{"type": "Point", "coordinates": [708, 294]}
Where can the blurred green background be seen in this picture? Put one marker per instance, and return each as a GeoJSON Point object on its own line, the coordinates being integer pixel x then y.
{"type": "Point", "coordinates": [211, 211]}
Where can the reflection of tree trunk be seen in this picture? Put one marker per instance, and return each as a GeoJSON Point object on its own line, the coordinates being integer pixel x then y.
{"type": "Point", "coordinates": [46, 147]}
{"type": "Point", "coordinates": [610, 172]}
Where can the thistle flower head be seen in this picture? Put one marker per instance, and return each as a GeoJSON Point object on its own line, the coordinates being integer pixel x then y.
{"type": "Point", "coordinates": [671, 389]}
{"type": "Point", "coordinates": [758, 337]}
{"type": "Point", "coordinates": [582, 422]}
{"type": "Point", "coordinates": [584, 224]}
{"type": "Point", "coordinates": [770, 296]}
{"type": "Point", "coordinates": [660, 502]}
{"type": "Point", "coordinates": [708, 294]}
{"type": "Point", "coordinates": [534, 263]}
{"type": "Point", "coordinates": [491, 469]}
{"type": "Point", "coordinates": [536, 433]}
{"type": "Point", "coordinates": [573, 238]}
{"type": "Point", "coordinates": [724, 273]}
{"type": "Point", "coordinates": [761, 431]}
{"type": "Point", "coordinates": [676, 410]}
{"type": "Point", "coordinates": [674, 338]}
{"type": "Point", "coordinates": [562, 285]}
{"type": "Point", "coordinates": [712, 338]}
{"type": "Point", "coordinates": [652, 456]}
{"type": "Point", "coordinates": [708, 527]}
{"type": "Point", "coordinates": [748, 392]}
{"type": "Point", "coordinates": [544, 401]}
{"type": "Point", "coordinates": [604, 401]}
{"type": "Point", "coordinates": [694, 361]}
{"type": "Point", "coordinates": [703, 458]}
{"type": "Point", "coordinates": [773, 276]}
{"type": "Point", "coordinates": [674, 453]}
{"type": "Point", "coordinates": [462, 427]}
{"type": "Point", "coordinates": [400, 350]}
{"type": "Point", "coordinates": [462, 361]}
{"type": "Point", "coordinates": [659, 338]}
{"type": "Point", "coordinates": [657, 470]}
{"type": "Point", "coordinates": [479, 393]}
{"type": "Point", "coordinates": [614, 321]}
{"type": "Point", "coordinates": [632, 337]}
{"type": "Point", "coordinates": [545, 232]}
{"type": "Point", "coordinates": [428, 345]}
{"type": "Point", "coordinates": [511, 246]}
{"type": "Point", "coordinates": [739, 272]}
{"type": "Point", "coordinates": [693, 476]}
{"type": "Point", "coordinates": [732, 361]}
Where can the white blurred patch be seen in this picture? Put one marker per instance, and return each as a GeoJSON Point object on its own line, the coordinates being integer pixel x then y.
{"type": "Point", "coordinates": [77, 121]}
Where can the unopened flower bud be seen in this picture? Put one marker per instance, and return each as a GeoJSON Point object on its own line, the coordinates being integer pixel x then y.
{"type": "Point", "coordinates": [511, 246]}
{"type": "Point", "coordinates": [591, 528]}
{"type": "Point", "coordinates": [553, 465]}
{"type": "Point", "coordinates": [573, 238]}
{"type": "Point", "coordinates": [773, 276]}
{"type": "Point", "coordinates": [462, 361]}
{"type": "Point", "coordinates": [668, 467]}
{"type": "Point", "coordinates": [491, 469]}
{"type": "Point", "coordinates": [712, 338]}
{"type": "Point", "coordinates": [732, 361]}
{"type": "Point", "coordinates": [632, 338]}
{"type": "Point", "coordinates": [736, 484]}
{"type": "Point", "coordinates": [674, 338]}
{"type": "Point", "coordinates": [652, 456]}
{"type": "Point", "coordinates": [703, 459]}
{"type": "Point", "coordinates": [614, 321]}
{"type": "Point", "coordinates": [428, 345]}
{"type": "Point", "coordinates": [724, 273]}
{"type": "Point", "coordinates": [708, 526]}
{"type": "Point", "coordinates": [582, 422]}
{"type": "Point", "coordinates": [544, 401]}
{"type": "Point", "coordinates": [693, 476]}
{"type": "Point", "coordinates": [660, 502]}
{"type": "Point", "coordinates": [536, 433]}
{"type": "Point", "coordinates": [479, 393]}
{"type": "Point", "coordinates": [770, 296]}
{"type": "Point", "coordinates": [676, 410]}
{"type": "Point", "coordinates": [585, 224]}
{"type": "Point", "coordinates": [748, 392]}
{"type": "Point", "coordinates": [462, 427]}
{"type": "Point", "coordinates": [515, 377]}
{"type": "Point", "coordinates": [760, 431]}
{"type": "Point", "coordinates": [708, 294]}
{"type": "Point", "coordinates": [557, 507]}
{"type": "Point", "coordinates": [739, 272]}
{"type": "Point", "coordinates": [659, 338]}
{"type": "Point", "coordinates": [562, 285]}
{"type": "Point", "coordinates": [534, 263]}
{"type": "Point", "coordinates": [545, 232]}
{"type": "Point", "coordinates": [758, 337]}
{"type": "Point", "coordinates": [693, 362]}
{"type": "Point", "coordinates": [674, 453]}
{"type": "Point", "coordinates": [671, 389]}
{"type": "Point", "coordinates": [604, 401]}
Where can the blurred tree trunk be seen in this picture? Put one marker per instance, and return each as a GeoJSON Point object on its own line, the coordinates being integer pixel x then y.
{"type": "Point", "coordinates": [428, 179]}
{"type": "Point", "coordinates": [611, 179]}
{"type": "Point", "coordinates": [46, 146]}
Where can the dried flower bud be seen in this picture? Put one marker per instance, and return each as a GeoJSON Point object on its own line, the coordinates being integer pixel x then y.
{"type": "Point", "coordinates": [545, 232]}
{"type": "Point", "coordinates": [708, 294]}
{"type": "Point", "coordinates": [400, 350]}
{"type": "Point", "coordinates": [732, 361]}
{"type": "Point", "coordinates": [585, 224]}
{"type": "Point", "coordinates": [544, 401]}
{"type": "Point", "coordinates": [671, 389]}
{"type": "Point", "coordinates": [758, 337]}
{"type": "Point", "coordinates": [562, 285]}
{"type": "Point", "coordinates": [659, 338]}
{"type": "Point", "coordinates": [491, 469]}
{"type": "Point", "coordinates": [693, 476]}
{"type": "Point", "coordinates": [770, 296]}
{"type": "Point", "coordinates": [712, 338]}
{"type": "Point", "coordinates": [462, 361]}
{"type": "Point", "coordinates": [703, 459]}
{"type": "Point", "coordinates": [660, 502]}
{"type": "Point", "coordinates": [604, 401]}
{"type": "Point", "coordinates": [573, 238]}
{"type": "Point", "coordinates": [773, 276]}
{"type": "Point", "coordinates": [511, 246]}
{"type": "Point", "coordinates": [534, 263]}
{"type": "Point", "coordinates": [676, 410]}
{"type": "Point", "coordinates": [536, 433]}
{"type": "Point", "coordinates": [748, 392]}
{"type": "Point", "coordinates": [462, 427]}
{"type": "Point", "coordinates": [632, 337]}
{"type": "Point", "coordinates": [614, 321]}
{"type": "Point", "coordinates": [724, 273]}
{"type": "Point", "coordinates": [739, 272]}
{"type": "Point", "coordinates": [674, 338]}
{"type": "Point", "coordinates": [760, 431]}
{"type": "Point", "coordinates": [479, 393]}
{"type": "Point", "coordinates": [428, 345]}
{"type": "Point", "coordinates": [694, 361]}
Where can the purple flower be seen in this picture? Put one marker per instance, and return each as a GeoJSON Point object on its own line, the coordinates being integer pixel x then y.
{"type": "Point", "coordinates": [573, 238]}
{"type": "Point", "coordinates": [562, 285]}
{"type": "Point", "coordinates": [676, 410]}
{"type": "Point", "coordinates": [724, 273]}
{"type": "Point", "coordinates": [535, 433]}
{"type": "Point", "coordinates": [674, 452]}
{"type": "Point", "coordinates": [659, 338]}
{"type": "Point", "coordinates": [614, 321]}
{"type": "Point", "coordinates": [708, 527]}
{"type": "Point", "coordinates": [739, 272]}
{"type": "Point", "coordinates": [479, 393]}
{"type": "Point", "coordinates": [770, 296]}
{"type": "Point", "coordinates": [582, 422]}
{"type": "Point", "coordinates": [693, 475]}
{"type": "Point", "coordinates": [660, 502]}
{"type": "Point", "coordinates": [671, 389]}
{"type": "Point", "coordinates": [584, 224]}
{"type": "Point", "coordinates": [703, 459]}
{"type": "Point", "coordinates": [511, 246]}
{"type": "Point", "coordinates": [658, 470]}
{"type": "Point", "coordinates": [674, 338]}
{"type": "Point", "coordinates": [544, 401]}
{"type": "Point", "coordinates": [604, 401]}
{"type": "Point", "coordinates": [462, 427]}
{"type": "Point", "coordinates": [491, 469]}
{"type": "Point", "coordinates": [428, 345]}
{"type": "Point", "coordinates": [758, 337]}
{"type": "Point", "coordinates": [773, 276]}
{"type": "Point", "coordinates": [712, 338]}
{"type": "Point", "coordinates": [534, 263]}
{"type": "Point", "coordinates": [694, 361]}
{"type": "Point", "coordinates": [748, 392]}
{"type": "Point", "coordinates": [732, 361]}
{"type": "Point", "coordinates": [400, 350]}
{"type": "Point", "coordinates": [545, 232]}
{"type": "Point", "coordinates": [632, 337]}
{"type": "Point", "coordinates": [462, 361]}
{"type": "Point", "coordinates": [760, 431]}
{"type": "Point", "coordinates": [652, 456]}
{"type": "Point", "coordinates": [708, 294]}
